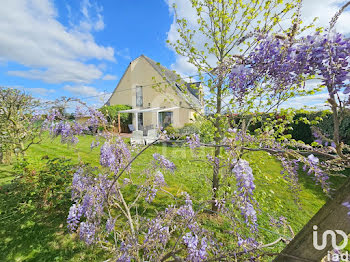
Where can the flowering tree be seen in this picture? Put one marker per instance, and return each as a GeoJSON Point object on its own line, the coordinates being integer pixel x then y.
{"type": "Point", "coordinates": [221, 29]}
{"type": "Point", "coordinates": [111, 208]}
{"type": "Point", "coordinates": [105, 214]}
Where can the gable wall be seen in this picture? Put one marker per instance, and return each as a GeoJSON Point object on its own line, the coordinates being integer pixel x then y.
{"type": "Point", "coordinates": [140, 72]}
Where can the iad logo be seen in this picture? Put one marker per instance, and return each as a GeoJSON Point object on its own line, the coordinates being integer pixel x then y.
{"type": "Point", "coordinates": [333, 238]}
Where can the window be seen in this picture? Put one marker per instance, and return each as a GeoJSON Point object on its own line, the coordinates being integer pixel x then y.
{"type": "Point", "coordinates": [139, 96]}
{"type": "Point", "coordinates": [140, 119]}
{"type": "Point", "coordinates": [165, 119]}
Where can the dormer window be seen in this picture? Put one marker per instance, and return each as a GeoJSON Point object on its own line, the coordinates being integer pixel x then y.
{"type": "Point", "coordinates": [139, 96]}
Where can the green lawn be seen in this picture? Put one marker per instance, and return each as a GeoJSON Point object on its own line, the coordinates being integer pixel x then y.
{"type": "Point", "coordinates": [36, 235]}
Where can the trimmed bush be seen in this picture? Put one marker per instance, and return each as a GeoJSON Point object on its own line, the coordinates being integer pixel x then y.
{"type": "Point", "coordinates": [304, 120]}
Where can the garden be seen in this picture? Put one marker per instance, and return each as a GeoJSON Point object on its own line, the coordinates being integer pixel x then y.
{"type": "Point", "coordinates": [247, 181]}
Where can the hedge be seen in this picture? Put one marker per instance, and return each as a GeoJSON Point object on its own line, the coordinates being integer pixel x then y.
{"type": "Point", "coordinates": [302, 131]}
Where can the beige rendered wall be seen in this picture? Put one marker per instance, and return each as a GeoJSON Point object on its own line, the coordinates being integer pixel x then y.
{"type": "Point", "coordinates": [140, 72]}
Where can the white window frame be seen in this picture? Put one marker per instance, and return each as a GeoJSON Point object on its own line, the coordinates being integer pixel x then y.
{"type": "Point", "coordinates": [139, 92]}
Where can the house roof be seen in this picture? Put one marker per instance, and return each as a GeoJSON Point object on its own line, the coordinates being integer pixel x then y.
{"type": "Point", "coordinates": [190, 95]}
{"type": "Point", "coordinates": [191, 91]}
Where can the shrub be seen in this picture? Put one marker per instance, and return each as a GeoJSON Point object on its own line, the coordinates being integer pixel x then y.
{"type": "Point", "coordinates": [206, 130]}
{"type": "Point", "coordinates": [188, 129]}
{"type": "Point", "coordinates": [304, 120]}
{"type": "Point", "coordinates": [46, 185]}
{"type": "Point", "coordinates": [111, 114]}
{"type": "Point", "coordinates": [171, 131]}
{"type": "Point", "coordinates": [322, 120]}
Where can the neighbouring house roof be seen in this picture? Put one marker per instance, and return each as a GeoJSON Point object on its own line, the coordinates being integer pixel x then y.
{"type": "Point", "coordinates": [194, 88]}
{"type": "Point", "coordinates": [190, 95]}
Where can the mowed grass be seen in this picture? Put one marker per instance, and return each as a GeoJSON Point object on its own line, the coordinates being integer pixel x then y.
{"type": "Point", "coordinates": [35, 235]}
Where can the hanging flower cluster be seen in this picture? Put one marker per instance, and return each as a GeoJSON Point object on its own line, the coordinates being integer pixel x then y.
{"type": "Point", "coordinates": [163, 163]}
{"type": "Point", "coordinates": [280, 64]}
{"type": "Point", "coordinates": [158, 182]}
{"type": "Point", "coordinates": [245, 188]}
{"type": "Point", "coordinates": [312, 166]}
{"type": "Point", "coordinates": [89, 195]}
{"type": "Point", "coordinates": [114, 155]}
{"type": "Point", "coordinates": [57, 125]}
{"type": "Point", "coordinates": [193, 142]}
{"type": "Point", "coordinates": [290, 174]}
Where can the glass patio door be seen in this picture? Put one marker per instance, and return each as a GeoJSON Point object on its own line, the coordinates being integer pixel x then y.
{"type": "Point", "coordinates": [165, 119]}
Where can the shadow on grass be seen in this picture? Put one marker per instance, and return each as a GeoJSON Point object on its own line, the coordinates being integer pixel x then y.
{"type": "Point", "coordinates": [310, 184]}
{"type": "Point", "coordinates": [6, 174]}
{"type": "Point", "coordinates": [30, 234]}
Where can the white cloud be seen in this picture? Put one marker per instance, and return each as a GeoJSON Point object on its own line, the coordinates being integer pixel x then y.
{"type": "Point", "coordinates": [184, 10]}
{"type": "Point", "coordinates": [325, 10]}
{"type": "Point", "coordinates": [109, 77]}
{"type": "Point", "coordinates": [31, 35]}
{"type": "Point", "coordinates": [82, 90]}
{"type": "Point", "coordinates": [124, 53]}
{"type": "Point", "coordinates": [318, 101]}
{"type": "Point", "coordinates": [34, 90]}
{"type": "Point", "coordinates": [99, 25]}
{"type": "Point", "coordinates": [39, 90]}
{"type": "Point", "coordinates": [92, 20]}
{"type": "Point", "coordinates": [183, 67]}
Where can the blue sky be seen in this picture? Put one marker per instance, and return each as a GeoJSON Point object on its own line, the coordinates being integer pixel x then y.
{"type": "Point", "coordinates": [117, 32]}
{"type": "Point", "coordinates": [53, 48]}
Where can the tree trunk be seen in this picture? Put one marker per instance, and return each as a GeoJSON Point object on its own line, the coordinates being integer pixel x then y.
{"type": "Point", "coordinates": [217, 139]}
{"type": "Point", "coordinates": [332, 216]}
{"type": "Point", "coordinates": [215, 185]}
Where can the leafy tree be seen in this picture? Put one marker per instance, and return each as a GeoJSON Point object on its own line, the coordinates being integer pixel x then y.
{"type": "Point", "coordinates": [227, 30]}
{"type": "Point", "coordinates": [19, 122]}
{"type": "Point", "coordinates": [111, 114]}
{"type": "Point", "coordinates": [271, 72]}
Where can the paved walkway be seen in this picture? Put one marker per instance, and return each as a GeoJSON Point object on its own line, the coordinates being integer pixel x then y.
{"type": "Point", "coordinates": [125, 135]}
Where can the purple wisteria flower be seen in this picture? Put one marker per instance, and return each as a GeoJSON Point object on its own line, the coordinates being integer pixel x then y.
{"type": "Point", "coordinates": [283, 64]}
{"type": "Point", "coordinates": [157, 233]}
{"type": "Point", "coordinates": [281, 221]}
{"type": "Point", "coordinates": [312, 165]}
{"type": "Point", "coordinates": [245, 188]}
{"type": "Point", "coordinates": [194, 142]}
{"type": "Point", "coordinates": [197, 248]}
{"type": "Point", "coordinates": [213, 160]}
{"type": "Point", "coordinates": [89, 195]}
{"type": "Point", "coordinates": [94, 144]}
{"type": "Point", "coordinates": [87, 232]}
{"type": "Point", "coordinates": [162, 162]}
{"type": "Point", "coordinates": [313, 159]}
{"type": "Point", "coordinates": [157, 183]}
{"type": "Point", "coordinates": [244, 176]}
{"type": "Point", "coordinates": [96, 119]}
{"type": "Point", "coordinates": [187, 213]}
{"type": "Point", "coordinates": [290, 174]}
{"type": "Point", "coordinates": [247, 243]}
{"type": "Point", "coordinates": [110, 224]}
{"type": "Point", "coordinates": [124, 252]}
{"type": "Point", "coordinates": [347, 205]}
{"type": "Point", "coordinates": [114, 155]}
{"type": "Point", "coordinates": [75, 213]}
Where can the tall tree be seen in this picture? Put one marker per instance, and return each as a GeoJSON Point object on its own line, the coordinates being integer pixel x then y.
{"type": "Point", "coordinates": [225, 29]}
